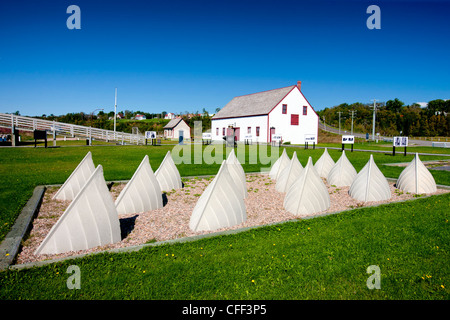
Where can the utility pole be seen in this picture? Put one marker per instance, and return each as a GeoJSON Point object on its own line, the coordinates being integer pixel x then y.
{"type": "Point", "coordinates": [353, 114]}
{"type": "Point", "coordinates": [324, 124]}
{"type": "Point", "coordinates": [373, 120]}
{"type": "Point", "coordinates": [115, 113]}
{"type": "Point", "coordinates": [339, 112]}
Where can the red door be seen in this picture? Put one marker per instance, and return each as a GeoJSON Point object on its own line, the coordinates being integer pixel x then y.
{"type": "Point", "coordinates": [236, 133]}
{"type": "Point", "coordinates": [272, 131]}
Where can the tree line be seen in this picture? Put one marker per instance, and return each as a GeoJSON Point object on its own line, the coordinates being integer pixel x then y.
{"type": "Point", "coordinates": [153, 122]}
{"type": "Point", "coordinates": [393, 118]}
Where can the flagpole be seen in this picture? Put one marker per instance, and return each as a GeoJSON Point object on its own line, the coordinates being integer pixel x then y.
{"type": "Point", "coordinates": [115, 112]}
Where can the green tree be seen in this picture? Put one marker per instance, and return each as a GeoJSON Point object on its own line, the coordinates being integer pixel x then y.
{"type": "Point", "coordinates": [435, 106]}
{"type": "Point", "coordinates": [394, 105]}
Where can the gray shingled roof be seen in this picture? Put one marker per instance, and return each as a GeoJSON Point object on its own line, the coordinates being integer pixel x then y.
{"type": "Point", "coordinates": [172, 123]}
{"type": "Point", "coordinates": [253, 104]}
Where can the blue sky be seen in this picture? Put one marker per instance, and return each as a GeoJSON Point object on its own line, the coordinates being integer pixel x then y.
{"type": "Point", "coordinates": [182, 56]}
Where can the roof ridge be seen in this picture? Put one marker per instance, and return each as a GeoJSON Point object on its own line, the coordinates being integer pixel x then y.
{"type": "Point", "coordinates": [178, 120]}
{"type": "Point", "coordinates": [244, 95]}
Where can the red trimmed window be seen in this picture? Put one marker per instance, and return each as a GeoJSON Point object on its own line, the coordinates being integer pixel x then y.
{"type": "Point", "coordinates": [294, 119]}
{"type": "Point", "coordinates": [284, 109]}
{"type": "Point", "coordinates": [249, 130]}
{"type": "Point", "coordinates": [217, 131]}
{"type": "Point", "coordinates": [223, 131]}
{"type": "Point", "coordinates": [257, 131]}
{"type": "Point", "coordinates": [305, 110]}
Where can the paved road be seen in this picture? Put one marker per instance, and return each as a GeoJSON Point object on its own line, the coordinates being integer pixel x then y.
{"type": "Point", "coordinates": [362, 135]}
{"type": "Point", "coordinates": [444, 168]}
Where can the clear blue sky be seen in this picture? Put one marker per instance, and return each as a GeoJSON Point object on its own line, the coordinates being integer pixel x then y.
{"type": "Point", "coordinates": [178, 56]}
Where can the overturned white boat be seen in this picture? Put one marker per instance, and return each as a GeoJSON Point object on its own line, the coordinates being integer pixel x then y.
{"type": "Point", "coordinates": [89, 221]}
{"type": "Point", "coordinates": [237, 173]}
{"type": "Point", "coordinates": [142, 193]}
{"type": "Point", "coordinates": [324, 164]}
{"type": "Point", "coordinates": [221, 204]}
{"type": "Point", "coordinates": [76, 180]}
{"type": "Point", "coordinates": [308, 194]}
{"type": "Point", "coordinates": [370, 184]}
{"type": "Point", "coordinates": [342, 173]}
{"type": "Point", "coordinates": [168, 175]}
{"type": "Point", "coordinates": [416, 178]}
{"type": "Point", "coordinates": [289, 174]}
{"type": "Point", "coordinates": [279, 165]}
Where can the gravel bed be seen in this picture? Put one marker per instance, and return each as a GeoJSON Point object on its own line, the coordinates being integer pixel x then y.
{"type": "Point", "coordinates": [264, 205]}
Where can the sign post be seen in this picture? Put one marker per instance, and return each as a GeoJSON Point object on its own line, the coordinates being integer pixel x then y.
{"type": "Point", "coordinates": [399, 142]}
{"type": "Point", "coordinates": [39, 135]}
{"type": "Point", "coordinates": [150, 135]}
{"type": "Point", "coordinates": [206, 138]}
{"type": "Point", "coordinates": [276, 138]}
{"type": "Point", "coordinates": [347, 139]}
{"type": "Point", "coordinates": [310, 138]}
{"type": "Point", "coordinates": [248, 139]}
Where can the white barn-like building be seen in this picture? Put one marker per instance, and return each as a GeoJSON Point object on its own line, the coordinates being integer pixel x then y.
{"type": "Point", "coordinates": [176, 128]}
{"type": "Point", "coordinates": [284, 112]}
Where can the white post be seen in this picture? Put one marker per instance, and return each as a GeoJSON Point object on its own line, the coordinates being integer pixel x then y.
{"type": "Point", "coordinates": [13, 133]}
{"type": "Point", "coordinates": [339, 112]}
{"type": "Point", "coordinates": [352, 124]}
{"type": "Point", "coordinates": [353, 114]}
{"type": "Point", "coordinates": [54, 133]}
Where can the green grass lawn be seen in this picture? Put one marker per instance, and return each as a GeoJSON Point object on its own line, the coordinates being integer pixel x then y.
{"type": "Point", "coordinates": [388, 148]}
{"type": "Point", "coordinates": [322, 258]}
{"type": "Point", "coordinates": [408, 241]}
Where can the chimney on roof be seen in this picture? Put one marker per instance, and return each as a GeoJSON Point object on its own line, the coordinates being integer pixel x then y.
{"type": "Point", "coordinates": [299, 85]}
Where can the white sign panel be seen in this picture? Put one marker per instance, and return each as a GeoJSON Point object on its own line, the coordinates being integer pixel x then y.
{"type": "Point", "coordinates": [400, 141]}
{"type": "Point", "coordinates": [150, 134]}
{"type": "Point", "coordinates": [276, 137]}
{"type": "Point", "coordinates": [310, 138]}
{"type": "Point", "coordinates": [248, 137]}
{"type": "Point", "coordinates": [206, 136]}
{"type": "Point", "coordinates": [346, 139]}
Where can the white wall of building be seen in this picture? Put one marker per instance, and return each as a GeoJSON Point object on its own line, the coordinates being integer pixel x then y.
{"type": "Point", "coordinates": [175, 133]}
{"type": "Point", "coordinates": [307, 124]}
{"type": "Point", "coordinates": [243, 124]}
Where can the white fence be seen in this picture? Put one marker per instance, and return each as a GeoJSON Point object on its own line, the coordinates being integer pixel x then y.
{"type": "Point", "coordinates": [441, 144]}
{"type": "Point", "coordinates": [31, 124]}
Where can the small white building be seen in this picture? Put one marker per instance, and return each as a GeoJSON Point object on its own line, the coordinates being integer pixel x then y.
{"type": "Point", "coordinates": [170, 116]}
{"type": "Point", "coordinates": [140, 117]}
{"type": "Point", "coordinates": [283, 112]}
{"type": "Point", "coordinates": [176, 128]}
